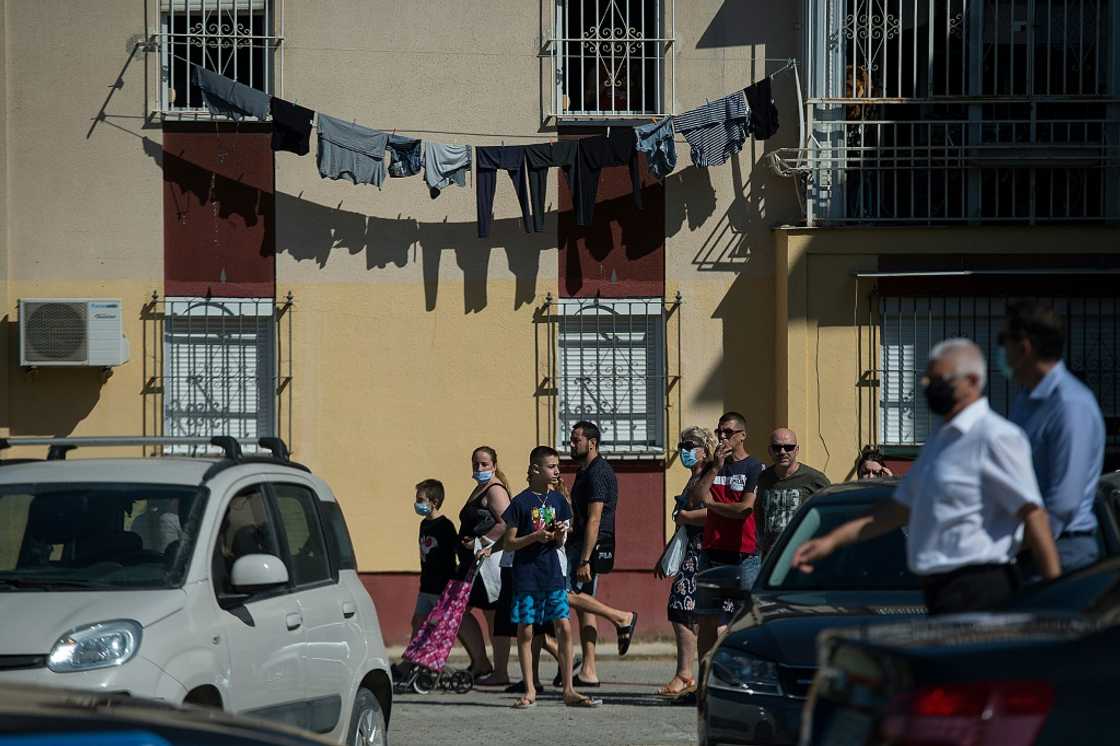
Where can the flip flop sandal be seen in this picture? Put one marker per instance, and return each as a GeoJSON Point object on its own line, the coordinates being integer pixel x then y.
{"type": "Point", "coordinates": [577, 680]}
{"type": "Point", "coordinates": [489, 681]}
{"type": "Point", "coordinates": [518, 687]}
{"type": "Point", "coordinates": [626, 635]}
{"type": "Point", "coordinates": [524, 704]}
{"type": "Point", "coordinates": [588, 702]}
{"type": "Point", "coordinates": [669, 691]}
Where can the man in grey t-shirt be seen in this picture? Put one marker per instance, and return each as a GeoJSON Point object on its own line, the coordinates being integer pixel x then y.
{"type": "Point", "coordinates": [783, 487]}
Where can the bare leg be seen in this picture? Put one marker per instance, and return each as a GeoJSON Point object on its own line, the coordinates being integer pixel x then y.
{"type": "Point", "coordinates": [686, 650]}
{"type": "Point", "coordinates": [564, 640]}
{"type": "Point", "coordinates": [592, 605]}
{"type": "Point", "coordinates": [525, 659]}
{"type": "Point", "coordinates": [589, 637]}
{"type": "Point", "coordinates": [470, 634]}
{"type": "Point", "coordinates": [710, 630]}
{"type": "Point", "coordinates": [538, 643]}
{"type": "Point", "coordinates": [500, 646]}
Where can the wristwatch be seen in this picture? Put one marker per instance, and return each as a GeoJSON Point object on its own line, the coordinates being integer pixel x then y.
{"type": "Point", "coordinates": [581, 563]}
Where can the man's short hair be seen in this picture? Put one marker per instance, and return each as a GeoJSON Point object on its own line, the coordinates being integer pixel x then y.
{"type": "Point", "coordinates": [965, 355]}
{"type": "Point", "coordinates": [432, 491]}
{"type": "Point", "coordinates": [540, 453]}
{"type": "Point", "coordinates": [735, 417]}
{"type": "Point", "coordinates": [590, 431]}
{"type": "Point", "coordinates": [1037, 321]}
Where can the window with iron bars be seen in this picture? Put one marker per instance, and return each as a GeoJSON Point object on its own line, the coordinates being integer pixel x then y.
{"type": "Point", "coordinates": [937, 111]}
{"type": "Point", "coordinates": [236, 38]}
{"type": "Point", "coordinates": [909, 327]}
{"type": "Point", "coordinates": [609, 58]}
{"type": "Point", "coordinates": [219, 367]}
{"type": "Point", "coordinates": [610, 369]}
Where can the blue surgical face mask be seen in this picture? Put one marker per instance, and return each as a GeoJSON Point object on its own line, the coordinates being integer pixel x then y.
{"type": "Point", "coordinates": [1002, 363]}
{"type": "Point", "coordinates": [688, 459]}
{"type": "Point", "coordinates": [422, 508]}
{"type": "Point", "coordinates": [483, 476]}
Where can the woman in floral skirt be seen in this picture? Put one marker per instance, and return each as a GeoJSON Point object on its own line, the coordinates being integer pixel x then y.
{"type": "Point", "coordinates": [695, 450]}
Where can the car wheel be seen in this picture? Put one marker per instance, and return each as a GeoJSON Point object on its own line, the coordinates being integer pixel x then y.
{"type": "Point", "coordinates": [367, 721]}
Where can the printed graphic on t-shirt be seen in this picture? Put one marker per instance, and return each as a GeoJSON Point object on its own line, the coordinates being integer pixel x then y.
{"type": "Point", "coordinates": [779, 509]}
{"type": "Point", "coordinates": [737, 482]}
{"type": "Point", "coordinates": [543, 517]}
{"type": "Point", "coordinates": [427, 544]}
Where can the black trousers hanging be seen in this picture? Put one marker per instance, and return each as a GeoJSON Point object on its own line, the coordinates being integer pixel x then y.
{"type": "Point", "coordinates": [619, 148]}
{"type": "Point", "coordinates": [488, 161]}
{"type": "Point", "coordinates": [539, 159]}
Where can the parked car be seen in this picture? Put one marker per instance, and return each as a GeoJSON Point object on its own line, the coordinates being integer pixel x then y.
{"type": "Point", "coordinates": [42, 716]}
{"type": "Point", "coordinates": [229, 583]}
{"type": "Point", "coordinates": [754, 682]}
{"type": "Point", "coordinates": [1043, 671]}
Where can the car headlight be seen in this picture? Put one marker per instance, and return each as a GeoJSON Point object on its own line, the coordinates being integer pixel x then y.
{"type": "Point", "coordinates": [738, 671]}
{"type": "Point", "coordinates": [95, 646]}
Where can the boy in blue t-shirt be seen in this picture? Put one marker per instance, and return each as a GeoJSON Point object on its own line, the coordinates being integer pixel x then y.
{"type": "Point", "coordinates": [537, 523]}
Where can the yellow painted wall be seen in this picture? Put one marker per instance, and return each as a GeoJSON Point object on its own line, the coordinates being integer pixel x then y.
{"type": "Point", "coordinates": [823, 309]}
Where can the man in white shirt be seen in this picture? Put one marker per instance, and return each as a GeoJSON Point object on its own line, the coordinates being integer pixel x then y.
{"type": "Point", "coordinates": [967, 501]}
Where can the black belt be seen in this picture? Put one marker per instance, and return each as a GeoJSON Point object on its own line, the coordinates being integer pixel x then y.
{"type": "Point", "coordinates": [1076, 534]}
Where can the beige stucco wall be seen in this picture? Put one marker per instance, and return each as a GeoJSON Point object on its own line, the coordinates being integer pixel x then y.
{"type": "Point", "coordinates": [5, 195]}
{"type": "Point", "coordinates": [823, 309]}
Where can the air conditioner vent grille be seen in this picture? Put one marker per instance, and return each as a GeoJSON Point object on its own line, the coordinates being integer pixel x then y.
{"type": "Point", "coordinates": [56, 332]}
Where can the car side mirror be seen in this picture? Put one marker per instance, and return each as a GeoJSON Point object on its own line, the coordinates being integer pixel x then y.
{"type": "Point", "coordinates": [255, 572]}
{"type": "Point", "coordinates": [728, 581]}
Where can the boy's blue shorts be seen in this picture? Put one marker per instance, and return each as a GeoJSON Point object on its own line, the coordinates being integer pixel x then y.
{"type": "Point", "coordinates": [538, 608]}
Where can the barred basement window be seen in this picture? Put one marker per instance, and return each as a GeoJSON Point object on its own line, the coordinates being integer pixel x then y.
{"type": "Point", "coordinates": [611, 370]}
{"type": "Point", "coordinates": [219, 367]}
{"type": "Point", "coordinates": [610, 58]}
{"type": "Point", "coordinates": [237, 38]}
{"type": "Point", "coordinates": [909, 327]}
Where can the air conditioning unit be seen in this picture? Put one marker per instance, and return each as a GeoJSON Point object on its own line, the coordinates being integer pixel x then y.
{"type": "Point", "coordinates": [72, 332]}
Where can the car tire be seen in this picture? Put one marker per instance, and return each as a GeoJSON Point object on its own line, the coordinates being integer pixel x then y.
{"type": "Point", "coordinates": [367, 721]}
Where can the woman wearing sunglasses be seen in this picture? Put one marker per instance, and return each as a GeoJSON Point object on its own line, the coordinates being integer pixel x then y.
{"type": "Point", "coordinates": [695, 451]}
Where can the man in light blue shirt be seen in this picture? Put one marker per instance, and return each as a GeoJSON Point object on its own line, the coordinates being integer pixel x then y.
{"type": "Point", "coordinates": [1063, 422]}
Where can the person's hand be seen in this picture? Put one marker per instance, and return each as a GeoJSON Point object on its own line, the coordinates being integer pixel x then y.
{"type": "Point", "coordinates": [484, 552]}
{"type": "Point", "coordinates": [544, 536]}
{"type": "Point", "coordinates": [886, 472]}
{"type": "Point", "coordinates": [657, 573]}
{"type": "Point", "coordinates": [812, 551]}
{"type": "Point", "coordinates": [677, 519]}
{"type": "Point", "coordinates": [723, 451]}
{"type": "Point", "coordinates": [583, 573]}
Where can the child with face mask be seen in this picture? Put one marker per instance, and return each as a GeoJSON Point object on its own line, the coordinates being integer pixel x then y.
{"type": "Point", "coordinates": [438, 545]}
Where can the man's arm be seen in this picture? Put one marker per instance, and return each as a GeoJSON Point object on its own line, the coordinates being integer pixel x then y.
{"type": "Point", "coordinates": [886, 517]}
{"type": "Point", "coordinates": [591, 531]}
{"type": "Point", "coordinates": [512, 542]}
{"type": "Point", "coordinates": [701, 489]}
{"type": "Point", "coordinates": [739, 510]}
{"type": "Point", "coordinates": [1037, 535]}
{"type": "Point", "coordinates": [1070, 456]}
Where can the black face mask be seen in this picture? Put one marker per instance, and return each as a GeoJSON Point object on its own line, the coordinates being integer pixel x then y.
{"type": "Point", "coordinates": [940, 396]}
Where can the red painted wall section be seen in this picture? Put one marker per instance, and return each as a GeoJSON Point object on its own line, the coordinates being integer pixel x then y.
{"type": "Point", "coordinates": [218, 212]}
{"type": "Point", "coordinates": [394, 594]}
{"type": "Point", "coordinates": [622, 254]}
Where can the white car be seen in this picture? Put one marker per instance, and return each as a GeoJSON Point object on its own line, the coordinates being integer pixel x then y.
{"type": "Point", "coordinates": [226, 582]}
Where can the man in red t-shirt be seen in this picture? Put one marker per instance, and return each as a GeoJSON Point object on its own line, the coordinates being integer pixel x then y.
{"type": "Point", "coordinates": [726, 488]}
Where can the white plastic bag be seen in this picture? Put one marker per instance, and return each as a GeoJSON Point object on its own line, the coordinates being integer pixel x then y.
{"type": "Point", "coordinates": [673, 555]}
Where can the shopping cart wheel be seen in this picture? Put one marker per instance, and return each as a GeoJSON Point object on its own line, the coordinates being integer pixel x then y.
{"type": "Point", "coordinates": [462, 682]}
{"type": "Point", "coordinates": [445, 679]}
{"type": "Point", "coordinates": [425, 681]}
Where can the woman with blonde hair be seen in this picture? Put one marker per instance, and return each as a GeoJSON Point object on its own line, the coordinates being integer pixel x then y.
{"type": "Point", "coordinates": [480, 527]}
{"type": "Point", "coordinates": [695, 449]}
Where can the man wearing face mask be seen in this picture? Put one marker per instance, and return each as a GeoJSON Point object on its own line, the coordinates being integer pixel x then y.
{"type": "Point", "coordinates": [1063, 422]}
{"type": "Point", "coordinates": [968, 501]}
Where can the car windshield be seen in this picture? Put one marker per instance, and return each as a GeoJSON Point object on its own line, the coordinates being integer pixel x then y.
{"type": "Point", "coordinates": [878, 564]}
{"type": "Point", "coordinates": [72, 537]}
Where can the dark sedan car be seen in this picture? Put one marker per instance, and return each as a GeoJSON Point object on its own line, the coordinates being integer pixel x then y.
{"type": "Point", "coordinates": [38, 716]}
{"type": "Point", "coordinates": [755, 680]}
{"type": "Point", "coordinates": [1043, 677]}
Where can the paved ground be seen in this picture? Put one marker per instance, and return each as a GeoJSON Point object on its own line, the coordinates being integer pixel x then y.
{"type": "Point", "coordinates": [632, 715]}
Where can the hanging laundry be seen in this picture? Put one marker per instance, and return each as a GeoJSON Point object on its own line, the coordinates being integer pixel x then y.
{"type": "Point", "coordinates": [539, 159]}
{"type": "Point", "coordinates": [716, 130]}
{"type": "Point", "coordinates": [619, 148]}
{"type": "Point", "coordinates": [351, 151]}
{"type": "Point", "coordinates": [445, 165]}
{"type": "Point", "coordinates": [489, 160]}
{"type": "Point", "coordinates": [291, 126]}
{"type": "Point", "coordinates": [764, 114]}
{"type": "Point", "coordinates": [405, 156]}
{"type": "Point", "coordinates": [226, 97]}
{"type": "Point", "coordinates": [656, 141]}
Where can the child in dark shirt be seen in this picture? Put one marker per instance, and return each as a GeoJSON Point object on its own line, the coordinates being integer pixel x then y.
{"type": "Point", "coordinates": [438, 543]}
{"type": "Point", "coordinates": [537, 523]}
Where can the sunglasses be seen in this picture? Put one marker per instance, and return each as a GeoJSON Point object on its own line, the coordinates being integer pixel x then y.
{"type": "Point", "coordinates": [687, 445]}
{"type": "Point", "coordinates": [787, 447]}
{"type": "Point", "coordinates": [727, 432]}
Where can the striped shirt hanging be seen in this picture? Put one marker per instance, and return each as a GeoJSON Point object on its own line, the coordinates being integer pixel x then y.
{"type": "Point", "coordinates": [716, 130]}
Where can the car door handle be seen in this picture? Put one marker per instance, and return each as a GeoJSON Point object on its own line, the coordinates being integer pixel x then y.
{"type": "Point", "coordinates": [294, 620]}
{"type": "Point", "coordinates": [349, 609]}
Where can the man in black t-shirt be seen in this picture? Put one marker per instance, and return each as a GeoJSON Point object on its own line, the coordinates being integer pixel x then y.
{"type": "Point", "coordinates": [783, 487]}
{"type": "Point", "coordinates": [594, 503]}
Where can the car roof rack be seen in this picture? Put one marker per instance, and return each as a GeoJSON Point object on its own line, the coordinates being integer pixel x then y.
{"type": "Point", "coordinates": [232, 453]}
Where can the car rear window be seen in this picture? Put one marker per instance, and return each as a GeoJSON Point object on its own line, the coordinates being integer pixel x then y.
{"type": "Point", "coordinates": [338, 538]}
{"type": "Point", "coordinates": [878, 564]}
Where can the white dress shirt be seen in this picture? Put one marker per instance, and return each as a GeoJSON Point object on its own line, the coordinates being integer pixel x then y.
{"type": "Point", "coordinates": [965, 491]}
